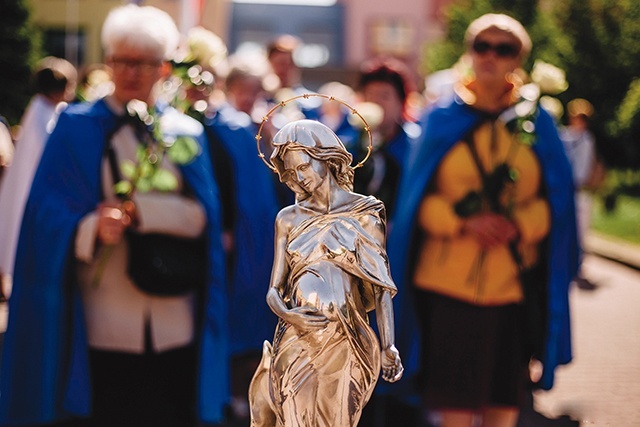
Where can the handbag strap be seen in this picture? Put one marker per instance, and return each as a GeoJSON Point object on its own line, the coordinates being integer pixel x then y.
{"type": "Point", "coordinates": [111, 152]}
{"type": "Point", "coordinates": [484, 176]}
{"type": "Point", "coordinates": [494, 205]}
{"type": "Point", "coordinates": [141, 132]}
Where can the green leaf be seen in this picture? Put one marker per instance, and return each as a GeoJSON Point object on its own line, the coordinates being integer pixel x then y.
{"type": "Point", "coordinates": [128, 169]}
{"type": "Point", "coordinates": [123, 188]}
{"type": "Point", "coordinates": [183, 150]}
{"type": "Point", "coordinates": [144, 185]}
{"type": "Point", "coordinates": [164, 180]}
{"type": "Point", "coordinates": [141, 153]}
{"type": "Point", "coordinates": [145, 169]}
{"type": "Point", "coordinates": [513, 174]}
{"type": "Point", "coordinates": [527, 138]}
{"type": "Point", "coordinates": [157, 133]}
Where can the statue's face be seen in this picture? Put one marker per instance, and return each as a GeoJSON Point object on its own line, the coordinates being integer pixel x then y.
{"type": "Point", "coordinates": [304, 170]}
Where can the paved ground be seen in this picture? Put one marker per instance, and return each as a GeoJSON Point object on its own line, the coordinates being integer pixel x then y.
{"type": "Point", "coordinates": [601, 387]}
{"type": "Point", "coordinates": [613, 248]}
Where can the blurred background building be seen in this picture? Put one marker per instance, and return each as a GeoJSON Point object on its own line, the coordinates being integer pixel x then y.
{"type": "Point", "coordinates": [338, 34]}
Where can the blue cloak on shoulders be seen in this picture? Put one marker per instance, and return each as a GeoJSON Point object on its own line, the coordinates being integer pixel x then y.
{"type": "Point", "coordinates": [44, 374]}
{"type": "Point", "coordinates": [442, 128]}
{"type": "Point", "coordinates": [256, 206]}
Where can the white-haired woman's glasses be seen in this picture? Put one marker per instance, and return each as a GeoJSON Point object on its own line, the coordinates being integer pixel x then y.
{"type": "Point", "coordinates": [147, 67]}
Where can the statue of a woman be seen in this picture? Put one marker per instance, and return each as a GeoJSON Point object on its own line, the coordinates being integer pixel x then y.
{"type": "Point", "coordinates": [330, 268]}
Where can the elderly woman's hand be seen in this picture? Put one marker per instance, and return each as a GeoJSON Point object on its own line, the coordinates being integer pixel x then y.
{"type": "Point", "coordinates": [490, 229]}
{"type": "Point", "coordinates": [113, 219]}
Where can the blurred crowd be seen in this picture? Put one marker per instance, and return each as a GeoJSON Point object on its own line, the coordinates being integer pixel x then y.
{"type": "Point", "coordinates": [479, 178]}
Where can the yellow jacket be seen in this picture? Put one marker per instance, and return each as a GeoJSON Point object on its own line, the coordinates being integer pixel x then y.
{"type": "Point", "coordinates": [452, 263]}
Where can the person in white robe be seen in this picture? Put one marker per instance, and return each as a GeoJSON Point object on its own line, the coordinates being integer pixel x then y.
{"type": "Point", "coordinates": [55, 82]}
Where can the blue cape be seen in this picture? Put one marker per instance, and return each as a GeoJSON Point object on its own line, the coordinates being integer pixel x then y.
{"type": "Point", "coordinates": [45, 373]}
{"type": "Point", "coordinates": [399, 146]}
{"type": "Point", "coordinates": [442, 128]}
{"type": "Point", "coordinates": [256, 206]}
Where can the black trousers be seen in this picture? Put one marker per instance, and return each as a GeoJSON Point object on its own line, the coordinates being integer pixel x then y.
{"type": "Point", "coordinates": [142, 390]}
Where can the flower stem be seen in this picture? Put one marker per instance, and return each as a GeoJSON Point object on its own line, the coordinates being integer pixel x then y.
{"type": "Point", "coordinates": [475, 272]}
{"type": "Point", "coordinates": [103, 258]}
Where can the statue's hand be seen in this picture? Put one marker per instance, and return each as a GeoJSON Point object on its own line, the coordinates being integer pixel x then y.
{"type": "Point", "coordinates": [392, 368]}
{"type": "Point", "coordinates": [305, 319]}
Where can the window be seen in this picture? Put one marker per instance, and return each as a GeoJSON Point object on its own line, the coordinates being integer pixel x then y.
{"type": "Point", "coordinates": [72, 47]}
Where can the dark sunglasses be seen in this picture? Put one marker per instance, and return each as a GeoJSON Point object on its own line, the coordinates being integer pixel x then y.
{"type": "Point", "coordinates": [503, 50]}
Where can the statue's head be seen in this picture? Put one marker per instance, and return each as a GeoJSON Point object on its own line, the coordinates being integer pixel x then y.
{"type": "Point", "coordinates": [320, 143]}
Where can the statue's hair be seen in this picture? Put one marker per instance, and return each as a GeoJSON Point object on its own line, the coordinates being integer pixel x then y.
{"type": "Point", "coordinates": [320, 143]}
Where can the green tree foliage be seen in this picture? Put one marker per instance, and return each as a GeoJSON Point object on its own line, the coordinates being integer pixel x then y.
{"type": "Point", "coordinates": [605, 60]}
{"type": "Point", "coordinates": [625, 126]}
{"type": "Point", "coordinates": [597, 43]}
{"type": "Point", "coordinates": [18, 52]}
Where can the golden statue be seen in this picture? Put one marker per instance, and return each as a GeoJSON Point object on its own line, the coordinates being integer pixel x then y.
{"type": "Point", "coordinates": [330, 269]}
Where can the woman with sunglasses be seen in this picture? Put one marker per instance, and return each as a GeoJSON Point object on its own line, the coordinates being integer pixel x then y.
{"type": "Point", "coordinates": [483, 247]}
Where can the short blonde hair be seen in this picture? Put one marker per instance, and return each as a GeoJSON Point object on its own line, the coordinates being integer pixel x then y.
{"type": "Point", "coordinates": [503, 23]}
{"type": "Point", "coordinates": [144, 27]}
{"type": "Point", "coordinates": [285, 43]}
{"type": "Point", "coordinates": [580, 107]}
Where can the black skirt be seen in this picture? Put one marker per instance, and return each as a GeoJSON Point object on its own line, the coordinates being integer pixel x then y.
{"type": "Point", "coordinates": [473, 357]}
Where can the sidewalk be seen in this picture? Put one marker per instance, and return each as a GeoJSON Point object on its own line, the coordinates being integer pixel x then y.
{"type": "Point", "coordinates": [601, 386]}
{"type": "Point", "coordinates": [613, 248]}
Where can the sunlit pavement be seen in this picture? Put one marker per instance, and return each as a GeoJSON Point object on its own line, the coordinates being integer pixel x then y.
{"type": "Point", "coordinates": [601, 387]}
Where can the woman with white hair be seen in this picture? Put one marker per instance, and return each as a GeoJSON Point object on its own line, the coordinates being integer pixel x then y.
{"type": "Point", "coordinates": [85, 341]}
{"type": "Point", "coordinates": [483, 246]}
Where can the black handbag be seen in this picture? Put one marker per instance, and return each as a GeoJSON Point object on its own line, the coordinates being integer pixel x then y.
{"type": "Point", "coordinates": [162, 264]}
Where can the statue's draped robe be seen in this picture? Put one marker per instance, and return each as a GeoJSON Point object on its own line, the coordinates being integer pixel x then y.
{"type": "Point", "coordinates": [326, 376]}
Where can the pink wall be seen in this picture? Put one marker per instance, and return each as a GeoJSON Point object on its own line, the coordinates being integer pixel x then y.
{"type": "Point", "coordinates": [401, 25]}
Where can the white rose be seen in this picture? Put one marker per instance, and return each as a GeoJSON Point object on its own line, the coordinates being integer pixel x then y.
{"type": "Point", "coordinates": [551, 79]}
{"type": "Point", "coordinates": [553, 106]}
{"type": "Point", "coordinates": [370, 112]}
{"type": "Point", "coordinates": [206, 47]}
